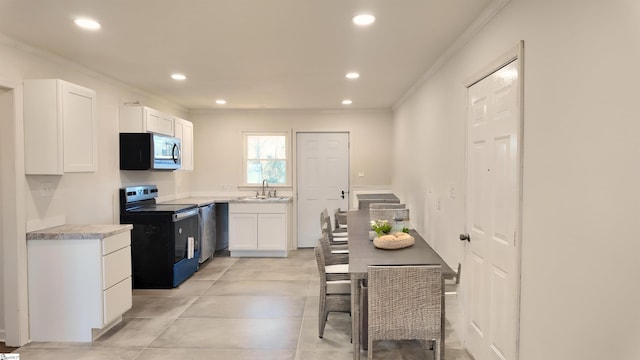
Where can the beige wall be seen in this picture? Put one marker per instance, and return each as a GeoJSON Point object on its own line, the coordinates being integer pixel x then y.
{"type": "Point", "coordinates": [581, 174]}
{"type": "Point", "coordinates": [83, 198]}
{"type": "Point", "coordinates": [218, 143]}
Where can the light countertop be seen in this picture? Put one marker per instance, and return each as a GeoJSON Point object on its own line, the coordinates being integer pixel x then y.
{"type": "Point", "coordinates": [71, 231]}
{"type": "Point", "coordinates": [268, 200]}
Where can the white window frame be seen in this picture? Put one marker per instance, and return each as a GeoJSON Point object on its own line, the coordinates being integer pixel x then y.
{"type": "Point", "coordinates": [287, 140]}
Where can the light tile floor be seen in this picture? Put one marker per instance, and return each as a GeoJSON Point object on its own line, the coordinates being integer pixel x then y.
{"type": "Point", "coordinates": [248, 308]}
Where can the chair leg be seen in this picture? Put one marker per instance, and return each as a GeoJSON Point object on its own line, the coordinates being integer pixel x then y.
{"type": "Point", "coordinates": [323, 323]}
{"type": "Point", "coordinates": [321, 316]}
{"type": "Point", "coordinates": [435, 347]}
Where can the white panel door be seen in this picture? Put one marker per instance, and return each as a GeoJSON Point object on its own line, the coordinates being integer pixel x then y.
{"type": "Point", "coordinates": [493, 208]}
{"type": "Point", "coordinates": [322, 176]}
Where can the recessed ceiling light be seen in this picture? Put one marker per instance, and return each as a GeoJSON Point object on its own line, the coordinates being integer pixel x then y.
{"type": "Point", "coordinates": [88, 24]}
{"type": "Point", "coordinates": [364, 19]}
{"type": "Point", "coordinates": [346, 102]}
{"type": "Point", "coordinates": [221, 101]}
{"type": "Point", "coordinates": [177, 76]}
{"type": "Point", "coordinates": [352, 75]}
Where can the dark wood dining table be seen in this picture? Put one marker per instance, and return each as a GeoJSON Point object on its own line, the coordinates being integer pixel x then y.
{"type": "Point", "coordinates": [363, 253]}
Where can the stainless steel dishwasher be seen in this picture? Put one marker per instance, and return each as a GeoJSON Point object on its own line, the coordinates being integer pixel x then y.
{"type": "Point", "coordinates": [207, 224]}
{"type": "Point", "coordinates": [207, 231]}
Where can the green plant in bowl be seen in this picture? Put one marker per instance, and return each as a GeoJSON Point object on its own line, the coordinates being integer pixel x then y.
{"type": "Point", "coordinates": [381, 227]}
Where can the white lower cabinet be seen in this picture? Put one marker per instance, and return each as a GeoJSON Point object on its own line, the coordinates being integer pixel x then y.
{"type": "Point", "coordinates": [259, 229]}
{"type": "Point", "coordinates": [78, 288]}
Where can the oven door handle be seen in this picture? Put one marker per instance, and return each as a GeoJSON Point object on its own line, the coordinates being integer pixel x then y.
{"type": "Point", "coordinates": [185, 214]}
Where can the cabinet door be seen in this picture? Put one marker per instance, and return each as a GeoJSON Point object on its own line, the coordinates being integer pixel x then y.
{"type": "Point", "coordinates": [183, 130]}
{"type": "Point", "coordinates": [43, 135]}
{"type": "Point", "coordinates": [117, 300]}
{"type": "Point", "coordinates": [79, 124]}
{"type": "Point", "coordinates": [243, 231]}
{"type": "Point", "coordinates": [158, 122]}
{"type": "Point", "coordinates": [272, 232]}
{"type": "Point", "coordinates": [165, 124]}
{"type": "Point", "coordinates": [60, 129]}
{"type": "Point", "coordinates": [151, 120]}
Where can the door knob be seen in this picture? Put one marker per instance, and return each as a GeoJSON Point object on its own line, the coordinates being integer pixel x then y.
{"type": "Point", "coordinates": [342, 194]}
{"type": "Point", "coordinates": [464, 237]}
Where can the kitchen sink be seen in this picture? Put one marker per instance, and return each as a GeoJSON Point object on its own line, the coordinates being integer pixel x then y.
{"type": "Point", "coordinates": [263, 198]}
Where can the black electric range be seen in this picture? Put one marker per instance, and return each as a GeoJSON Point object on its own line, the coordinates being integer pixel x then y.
{"type": "Point", "coordinates": [164, 246]}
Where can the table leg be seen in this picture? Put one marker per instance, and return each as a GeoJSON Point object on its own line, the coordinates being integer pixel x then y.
{"type": "Point", "coordinates": [442, 321]}
{"type": "Point", "coordinates": [355, 316]}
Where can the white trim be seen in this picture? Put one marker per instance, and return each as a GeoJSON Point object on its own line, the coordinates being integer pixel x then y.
{"type": "Point", "coordinates": [56, 59]}
{"type": "Point", "coordinates": [503, 60]}
{"type": "Point", "coordinates": [487, 15]}
{"type": "Point", "coordinates": [199, 111]}
{"type": "Point", "coordinates": [288, 155]}
{"type": "Point", "coordinates": [13, 239]}
{"type": "Point", "coordinates": [515, 53]}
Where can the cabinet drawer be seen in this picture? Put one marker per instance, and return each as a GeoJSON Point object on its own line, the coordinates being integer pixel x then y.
{"type": "Point", "coordinates": [257, 208]}
{"type": "Point", "coordinates": [116, 267]}
{"type": "Point", "coordinates": [116, 242]}
{"type": "Point", "coordinates": [117, 300]}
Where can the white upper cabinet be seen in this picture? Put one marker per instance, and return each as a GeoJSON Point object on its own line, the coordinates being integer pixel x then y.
{"type": "Point", "coordinates": [140, 119]}
{"type": "Point", "coordinates": [184, 131]}
{"type": "Point", "coordinates": [60, 128]}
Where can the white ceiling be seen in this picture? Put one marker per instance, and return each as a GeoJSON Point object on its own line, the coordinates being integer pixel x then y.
{"type": "Point", "coordinates": [273, 54]}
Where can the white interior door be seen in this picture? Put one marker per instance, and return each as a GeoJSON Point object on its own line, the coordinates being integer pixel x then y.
{"type": "Point", "coordinates": [493, 208]}
{"type": "Point", "coordinates": [322, 175]}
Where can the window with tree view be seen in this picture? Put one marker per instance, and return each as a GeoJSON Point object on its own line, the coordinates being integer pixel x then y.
{"type": "Point", "coordinates": [266, 158]}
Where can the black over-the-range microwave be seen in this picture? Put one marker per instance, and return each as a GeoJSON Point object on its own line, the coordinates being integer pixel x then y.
{"type": "Point", "coordinates": [149, 151]}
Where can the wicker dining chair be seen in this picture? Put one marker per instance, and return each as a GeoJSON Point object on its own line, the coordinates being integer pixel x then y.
{"type": "Point", "coordinates": [388, 214]}
{"type": "Point", "coordinates": [325, 226]}
{"type": "Point", "coordinates": [336, 264]}
{"type": "Point", "coordinates": [335, 296]}
{"type": "Point", "coordinates": [340, 220]}
{"type": "Point", "coordinates": [405, 304]}
{"type": "Point", "coordinates": [337, 247]}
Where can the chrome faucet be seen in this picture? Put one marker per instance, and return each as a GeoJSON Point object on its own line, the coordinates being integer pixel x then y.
{"type": "Point", "coordinates": [264, 182]}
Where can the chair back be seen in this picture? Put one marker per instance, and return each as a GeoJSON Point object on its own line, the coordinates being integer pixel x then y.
{"type": "Point", "coordinates": [325, 220]}
{"type": "Point", "coordinates": [398, 218]}
{"type": "Point", "coordinates": [339, 218]}
{"type": "Point", "coordinates": [325, 224]}
{"type": "Point", "coordinates": [405, 302]}
{"type": "Point", "coordinates": [387, 206]}
{"type": "Point", "coordinates": [321, 266]}
{"type": "Point", "coordinates": [329, 258]}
